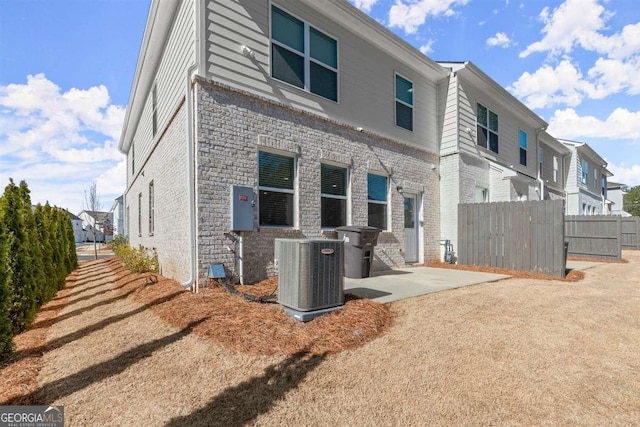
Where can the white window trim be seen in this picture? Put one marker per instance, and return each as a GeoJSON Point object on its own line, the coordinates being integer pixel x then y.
{"type": "Point", "coordinates": [295, 158]}
{"type": "Point", "coordinates": [486, 126]}
{"type": "Point", "coordinates": [333, 196]}
{"type": "Point", "coordinates": [140, 214]}
{"type": "Point", "coordinates": [395, 98]}
{"type": "Point", "coordinates": [306, 55]}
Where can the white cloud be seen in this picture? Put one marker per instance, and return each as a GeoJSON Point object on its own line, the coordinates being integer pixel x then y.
{"type": "Point", "coordinates": [427, 48]}
{"type": "Point", "coordinates": [59, 142]}
{"type": "Point", "coordinates": [365, 5]}
{"type": "Point", "coordinates": [621, 124]}
{"type": "Point", "coordinates": [574, 22]}
{"type": "Point", "coordinates": [113, 180]}
{"type": "Point", "coordinates": [550, 86]}
{"type": "Point", "coordinates": [500, 40]}
{"type": "Point", "coordinates": [611, 76]}
{"type": "Point", "coordinates": [625, 173]}
{"type": "Point", "coordinates": [409, 15]}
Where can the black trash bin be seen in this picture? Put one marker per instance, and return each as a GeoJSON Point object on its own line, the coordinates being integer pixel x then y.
{"type": "Point", "coordinates": [359, 242]}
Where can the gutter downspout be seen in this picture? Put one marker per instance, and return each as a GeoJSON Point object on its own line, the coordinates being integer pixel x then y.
{"type": "Point", "coordinates": [539, 179]}
{"type": "Point", "coordinates": [192, 281]}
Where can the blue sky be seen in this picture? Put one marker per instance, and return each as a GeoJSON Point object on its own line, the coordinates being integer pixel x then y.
{"type": "Point", "coordinates": [66, 68]}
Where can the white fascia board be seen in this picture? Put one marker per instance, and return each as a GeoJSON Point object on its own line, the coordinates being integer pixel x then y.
{"type": "Point", "coordinates": [475, 76]}
{"type": "Point", "coordinates": [349, 16]}
{"type": "Point", "coordinates": [156, 32]}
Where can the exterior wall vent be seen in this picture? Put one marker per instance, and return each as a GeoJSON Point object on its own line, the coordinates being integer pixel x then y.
{"type": "Point", "coordinates": [310, 273]}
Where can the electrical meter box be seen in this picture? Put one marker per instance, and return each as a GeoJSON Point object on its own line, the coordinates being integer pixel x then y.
{"type": "Point", "coordinates": [242, 207]}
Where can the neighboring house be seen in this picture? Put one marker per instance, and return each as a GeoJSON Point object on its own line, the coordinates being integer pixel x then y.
{"type": "Point", "coordinates": [615, 193]}
{"type": "Point", "coordinates": [489, 146]}
{"type": "Point", "coordinates": [586, 188]}
{"type": "Point", "coordinates": [117, 212]}
{"type": "Point", "coordinates": [78, 231]}
{"type": "Point", "coordinates": [101, 222]}
{"type": "Point", "coordinates": [325, 115]}
{"type": "Point", "coordinates": [553, 167]}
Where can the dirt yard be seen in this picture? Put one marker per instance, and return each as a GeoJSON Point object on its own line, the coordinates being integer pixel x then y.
{"type": "Point", "coordinates": [514, 352]}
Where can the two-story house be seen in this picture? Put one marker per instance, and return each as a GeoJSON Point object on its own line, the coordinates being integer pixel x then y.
{"type": "Point", "coordinates": [117, 212]}
{"type": "Point", "coordinates": [489, 145]}
{"type": "Point", "coordinates": [553, 166]}
{"type": "Point", "coordinates": [615, 193]}
{"type": "Point", "coordinates": [329, 118]}
{"type": "Point", "coordinates": [586, 188]}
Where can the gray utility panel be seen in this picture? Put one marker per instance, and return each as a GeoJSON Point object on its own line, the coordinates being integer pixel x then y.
{"type": "Point", "coordinates": [242, 207]}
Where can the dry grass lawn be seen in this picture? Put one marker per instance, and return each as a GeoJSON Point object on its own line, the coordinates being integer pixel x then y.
{"type": "Point", "coordinates": [515, 352]}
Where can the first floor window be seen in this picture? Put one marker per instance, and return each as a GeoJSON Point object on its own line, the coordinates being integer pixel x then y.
{"type": "Point", "coordinates": [139, 214]}
{"type": "Point", "coordinates": [487, 124]}
{"type": "Point", "coordinates": [333, 188]}
{"type": "Point", "coordinates": [482, 195]}
{"type": "Point", "coordinates": [128, 221]}
{"type": "Point", "coordinates": [151, 209]}
{"type": "Point", "coordinates": [276, 175]}
{"type": "Point", "coordinates": [556, 169]}
{"type": "Point", "coordinates": [377, 194]}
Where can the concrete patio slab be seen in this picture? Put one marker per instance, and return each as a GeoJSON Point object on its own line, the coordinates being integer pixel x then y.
{"type": "Point", "coordinates": [394, 285]}
{"type": "Point", "coordinates": [582, 265]}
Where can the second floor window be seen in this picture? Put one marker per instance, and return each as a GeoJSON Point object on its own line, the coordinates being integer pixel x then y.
{"type": "Point", "coordinates": [154, 109]}
{"type": "Point", "coordinates": [585, 172]}
{"type": "Point", "coordinates": [556, 169]}
{"type": "Point", "coordinates": [487, 131]}
{"type": "Point", "coordinates": [303, 56]}
{"type": "Point", "coordinates": [522, 136]}
{"type": "Point", "coordinates": [404, 103]}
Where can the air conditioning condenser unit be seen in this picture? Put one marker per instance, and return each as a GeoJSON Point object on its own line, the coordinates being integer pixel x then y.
{"type": "Point", "coordinates": [310, 276]}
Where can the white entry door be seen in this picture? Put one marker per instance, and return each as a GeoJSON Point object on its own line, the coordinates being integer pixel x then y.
{"type": "Point", "coordinates": [410, 228]}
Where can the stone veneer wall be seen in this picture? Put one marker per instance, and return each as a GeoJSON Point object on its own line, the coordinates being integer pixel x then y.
{"type": "Point", "coordinates": [232, 126]}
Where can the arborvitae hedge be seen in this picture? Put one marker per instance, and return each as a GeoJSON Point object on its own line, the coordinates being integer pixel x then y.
{"type": "Point", "coordinates": [6, 343]}
{"type": "Point", "coordinates": [37, 252]}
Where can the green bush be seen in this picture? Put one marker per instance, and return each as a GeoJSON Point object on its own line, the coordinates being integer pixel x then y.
{"type": "Point", "coordinates": [139, 260]}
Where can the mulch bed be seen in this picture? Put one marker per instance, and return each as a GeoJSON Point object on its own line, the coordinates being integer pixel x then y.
{"type": "Point", "coordinates": [573, 276]}
{"type": "Point", "coordinates": [256, 328]}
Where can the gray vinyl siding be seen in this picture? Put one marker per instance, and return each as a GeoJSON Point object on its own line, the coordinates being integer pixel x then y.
{"type": "Point", "coordinates": [448, 101]}
{"type": "Point", "coordinates": [589, 186]}
{"type": "Point", "coordinates": [178, 55]}
{"type": "Point", "coordinates": [547, 168]}
{"type": "Point", "coordinates": [575, 173]}
{"type": "Point", "coordinates": [508, 128]}
{"type": "Point", "coordinates": [366, 95]}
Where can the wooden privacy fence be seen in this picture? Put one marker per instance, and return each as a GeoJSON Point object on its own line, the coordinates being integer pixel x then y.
{"type": "Point", "coordinates": [594, 236]}
{"type": "Point", "coordinates": [526, 236]}
{"type": "Point", "coordinates": [630, 231]}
